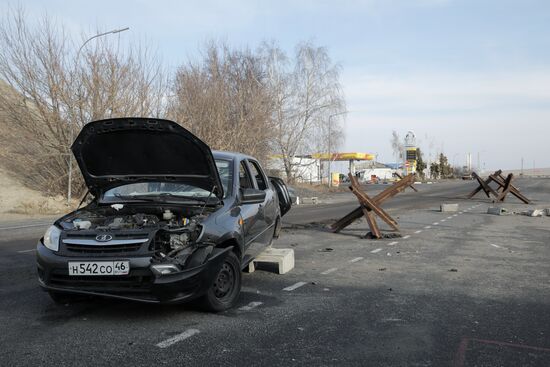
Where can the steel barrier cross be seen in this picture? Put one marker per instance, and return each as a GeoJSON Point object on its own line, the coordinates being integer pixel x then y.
{"type": "Point", "coordinates": [505, 187]}
{"type": "Point", "coordinates": [370, 206]}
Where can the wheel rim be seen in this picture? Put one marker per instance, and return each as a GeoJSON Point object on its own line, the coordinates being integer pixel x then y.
{"type": "Point", "coordinates": [225, 281]}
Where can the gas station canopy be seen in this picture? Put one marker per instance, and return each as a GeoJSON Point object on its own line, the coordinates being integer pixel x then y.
{"type": "Point", "coordinates": [344, 156]}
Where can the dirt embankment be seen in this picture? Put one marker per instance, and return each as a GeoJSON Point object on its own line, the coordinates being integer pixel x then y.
{"type": "Point", "coordinates": [17, 201]}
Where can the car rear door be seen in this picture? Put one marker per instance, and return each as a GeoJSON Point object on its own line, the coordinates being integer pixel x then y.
{"type": "Point", "coordinates": [252, 214]}
{"type": "Point", "coordinates": [285, 203]}
{"type": "Point", "coordinates": [268, 209]}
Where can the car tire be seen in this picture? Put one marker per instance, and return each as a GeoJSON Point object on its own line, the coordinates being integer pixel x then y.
{"type": "Point", "coordinates": [62, 298]}
{"type": "Point", "coordinates": [225, 290]}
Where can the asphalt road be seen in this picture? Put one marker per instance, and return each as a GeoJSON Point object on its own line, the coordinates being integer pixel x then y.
{"type": "Point", "coordinates": [465, 290]}
{"type": "Point", "coordinates": [343, 203]}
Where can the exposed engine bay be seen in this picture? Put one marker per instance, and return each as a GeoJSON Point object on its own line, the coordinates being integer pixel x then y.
{"type": "Point", "coordinates": [174, 231]}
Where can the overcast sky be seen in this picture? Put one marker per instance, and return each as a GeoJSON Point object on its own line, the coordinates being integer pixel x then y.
{"type": "Point", "coordinates": [465, 76]}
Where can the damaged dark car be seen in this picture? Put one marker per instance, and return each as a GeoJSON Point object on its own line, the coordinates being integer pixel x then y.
{"type": "Point", "coordinates": [167, 219]}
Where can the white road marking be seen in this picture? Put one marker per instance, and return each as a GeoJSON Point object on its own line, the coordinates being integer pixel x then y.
{"type": "Point", "coordinates": [375, 251]}
{"type": "Point", "coordinates": [24, 251]}
{"type": "Point", "coordinates": [331, 270]}
{"type": "Point", "coordinates": [451, 217]}
{"type": "Point", "coordinates": [435, 223]}
{"type": "Point", "coordinates": [418, 231]}
{"type": "Point", "coordinates": [250, 306]}
{"type": "Point", "coordinates": [356, 259]}
{"type": "Point", "coordinates": [460, 212]}
{"type": "Point", "coordinates": [26, 226]}
{"type": "Point", "coordinates": [407, 236]}
{"type": "Point", "coordinates": [186, 334]}
{"type": "Point", "coordinates": [294, 286]}
{"type": "Point", "coordinates": [393, 243]}
{"type": "Point", "coordinates": [442, 220]}
{"type": "Point", "coordinates": [455, 215]}
{"type": "Point", "coordinates": [497, 246]}
{"type": "Point", "coordinates": [428, 227]}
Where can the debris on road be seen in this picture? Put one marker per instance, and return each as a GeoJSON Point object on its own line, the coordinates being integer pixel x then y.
{"type": "Point", "coordinates": [389, 235]}
{"type": "Point", "coordinates": [497, 211]}
{"type": "Point", "coordinates": [326, 249]}
{"type": "Point", "coordinates": [453, 270]}
{"type": "Point", "coordinates": [528, 213]}
{"type": "Point", "coordinates": [533, 213]}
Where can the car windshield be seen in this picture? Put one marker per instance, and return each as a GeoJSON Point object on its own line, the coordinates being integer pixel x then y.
{"type": "Point", "coordinates": [171, 189]}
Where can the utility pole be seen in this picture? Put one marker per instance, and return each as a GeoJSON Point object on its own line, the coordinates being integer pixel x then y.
{"type": "Point", "coordinates": [522, 166]}
{"type": "Point", "coordinates": [71, 137]}
{"type": "Point", "coordinates": [330, 145]}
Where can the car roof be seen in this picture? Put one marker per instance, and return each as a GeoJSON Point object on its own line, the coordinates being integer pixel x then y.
{"type": "Point", "coordinates": [230, 155]}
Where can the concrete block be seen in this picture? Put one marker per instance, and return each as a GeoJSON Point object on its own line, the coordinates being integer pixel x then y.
{"type": "Point", "coordinates": [496, 210]}
{"type": "Point", "coordinates": [283, 257]}
{"type": "Point", "coordinates": [534, 213]}
{"type": "Point", "coordinates": [311, 200]}
{"type": "Point", "coordinates": [548, 212]}
{"type": "Point", "coordinates": [449, 207]}
{"type": "Point", "coordinates": [250, 268]}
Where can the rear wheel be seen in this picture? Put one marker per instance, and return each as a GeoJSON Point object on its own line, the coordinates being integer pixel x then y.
{"type": "Point", "coordinates": [225, 290]}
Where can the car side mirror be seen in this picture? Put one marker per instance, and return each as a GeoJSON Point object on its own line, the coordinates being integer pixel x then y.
{"type": "Point", "coordinates": [252, 196]}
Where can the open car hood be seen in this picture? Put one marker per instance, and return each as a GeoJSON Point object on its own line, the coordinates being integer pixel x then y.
{"type": "Point", "coordinates": [116, 152]}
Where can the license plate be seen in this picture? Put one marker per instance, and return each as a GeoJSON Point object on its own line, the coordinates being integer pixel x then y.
{"type": "Point", "coordinates": [99, 267]}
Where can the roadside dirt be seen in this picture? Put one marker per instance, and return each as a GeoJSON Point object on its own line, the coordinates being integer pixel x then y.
{"type": "Point", "coordinates": [17, 201]}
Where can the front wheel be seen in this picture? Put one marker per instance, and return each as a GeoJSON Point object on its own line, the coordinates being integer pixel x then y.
{"type": "Point", "coordinates": [225, 290]}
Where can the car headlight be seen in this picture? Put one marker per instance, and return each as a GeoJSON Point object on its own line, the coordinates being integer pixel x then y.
{"type": "Point", "coordinates": [51, 238]}
{"type": "Point", "coordinates": [164, 269]}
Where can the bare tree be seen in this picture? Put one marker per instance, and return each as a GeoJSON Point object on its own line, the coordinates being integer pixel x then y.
{"type": "Point", "coordinates": [54, 90]}
{"type": "Point", "coordinates": [306, 94]}
{"type": "Point", "coordinates": [223, 100]}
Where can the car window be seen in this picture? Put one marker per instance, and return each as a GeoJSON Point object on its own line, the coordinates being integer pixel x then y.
{"type": "Point", "coordinates": [225, 171]}
{"type": "Point", "coordinates": [257, 173]}
{"type": "Point", "coordinates": [156, 188]}
{"type": "Point", "coordinates": [244, 177]}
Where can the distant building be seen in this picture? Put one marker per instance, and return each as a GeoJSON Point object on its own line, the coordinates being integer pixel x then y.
{"type": "Point", "coordinates": [314, 168]}
{"type": "Point", "coordinates": [304, 168]}
{"type": "Point", "coordinates": [367, 170]}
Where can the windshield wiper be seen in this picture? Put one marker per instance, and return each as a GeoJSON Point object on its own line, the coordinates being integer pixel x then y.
{"type": "Point", "coordinates": [201, 199]}
{"type": "Point", "coordinates": [134, 197]}
{"type": "Point", "coordinates": [161, 195]}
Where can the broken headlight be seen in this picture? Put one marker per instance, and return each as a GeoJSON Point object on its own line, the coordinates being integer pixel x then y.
{"type": "Point", "coordinates": [51, 238]}
{"type": "Point", "coordinates": [163, 269]}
